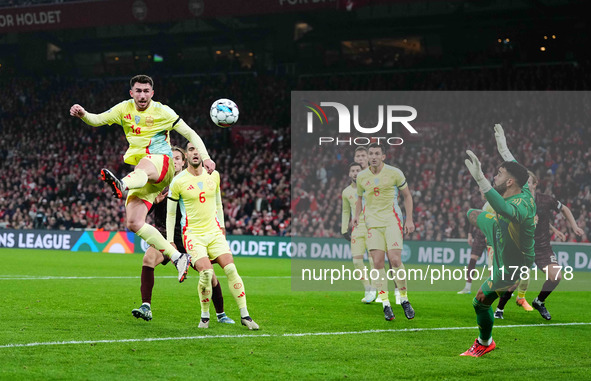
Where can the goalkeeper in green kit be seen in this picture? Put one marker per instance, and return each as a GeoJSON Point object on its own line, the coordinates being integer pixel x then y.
{"type": "Point", "coordinates": [510, 232]}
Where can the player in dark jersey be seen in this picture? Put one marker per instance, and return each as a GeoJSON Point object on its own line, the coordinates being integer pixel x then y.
{"type": "Point", "coordinates": [545, 257]}
{"type": "Point", "coordinates": [477, 241]}
{"type": "Point", "coordinates": [153, 257]}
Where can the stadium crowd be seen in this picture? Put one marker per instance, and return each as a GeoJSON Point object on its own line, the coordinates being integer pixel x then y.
{"type": "Point", "coordinates": [50, 162]}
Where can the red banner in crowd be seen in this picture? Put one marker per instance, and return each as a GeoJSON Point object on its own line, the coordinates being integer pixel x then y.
{"type": "Point", "coordinates": [118, 12]}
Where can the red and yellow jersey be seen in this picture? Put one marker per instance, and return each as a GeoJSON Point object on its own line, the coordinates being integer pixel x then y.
{"type": "Point", "coordinates": [379, 191]}
{"type": "Point", "coordinates": [200, 202]}
{"type": "Point", "coordinates": [146, 131]}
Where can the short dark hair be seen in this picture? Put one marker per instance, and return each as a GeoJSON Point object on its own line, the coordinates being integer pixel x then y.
{"type": "Point", "coordinates": [377, 145]}
{"type": "Point", "coordinates": [361, 148]}
{"type": "Point", "coordinates": [354, 164]}
{"type": "Point", "coordinates": [141, 78]}
{"type": "Point", "coordinates": [517, 171]}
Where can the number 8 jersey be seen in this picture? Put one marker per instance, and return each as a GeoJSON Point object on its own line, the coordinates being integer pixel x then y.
{"type": "Point", "coordinates": [379, 191]}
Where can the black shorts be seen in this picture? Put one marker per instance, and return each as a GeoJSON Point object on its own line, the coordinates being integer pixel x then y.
{"type": "Point", "coordinates": [545, 257]}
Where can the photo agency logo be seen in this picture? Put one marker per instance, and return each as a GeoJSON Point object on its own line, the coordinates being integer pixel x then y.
{"type": "Point", "coordinates": [387, 115]}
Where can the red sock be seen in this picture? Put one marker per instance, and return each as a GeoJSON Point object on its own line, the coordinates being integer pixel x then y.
{"type": "Point", "coordinates": [217, 298]}
{"type": "Point", "coordinates": [147, 284]}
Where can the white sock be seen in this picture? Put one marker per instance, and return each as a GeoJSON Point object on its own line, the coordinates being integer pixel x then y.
{"type": "Point", "coordinates": [468, 285]}
{"type": "Point", "coordinates": [176, 255]}
{"type": "Point", "coordinates": [147, 304]}
{"type": "Point", "coordinates": [244, 312]}
{"type": "Point", "coordinates": [385, 303]}
{"type": "Point", "coordinates": [204, 314]}
{"type": "Point", "coordinates": [487, 343]}
{"type": "Point", "coordinates": [220, 314]}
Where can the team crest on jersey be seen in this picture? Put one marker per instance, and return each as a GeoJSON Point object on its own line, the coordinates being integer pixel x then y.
{"type": "Point", "coordinates": [149, 121]}
{"type": "Point", "coordinates": [376, 181]}
{"type": "Point", "coordinates": [137, 119]}
{"type": "Point", "coordinates": [210, 184]}
{"type": "Point", "coordinates": [200, 185]}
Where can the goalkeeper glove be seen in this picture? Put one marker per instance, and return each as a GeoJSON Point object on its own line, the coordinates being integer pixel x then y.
{"type": "Point", "coordinates": [347, 236]}
{"type": "Point", "coordinates": [475, 169]}
{"type": "Point", "coordinates": [502, 144]}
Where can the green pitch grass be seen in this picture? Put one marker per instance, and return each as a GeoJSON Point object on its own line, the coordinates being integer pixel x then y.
{"type": "Point", "coordinates": [59, 299]}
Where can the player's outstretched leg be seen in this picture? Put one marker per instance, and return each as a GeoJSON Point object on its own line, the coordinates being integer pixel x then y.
{"type": "Point", "coordinates": [117, 187]}
{"type": "Point", "coordinates": [153, 237]}
{"type": "Point", "coordinates": [136, 212]}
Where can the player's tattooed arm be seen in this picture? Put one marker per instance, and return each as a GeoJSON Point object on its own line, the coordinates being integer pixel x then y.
{"type": "Point", "coordinates": [473, 216]}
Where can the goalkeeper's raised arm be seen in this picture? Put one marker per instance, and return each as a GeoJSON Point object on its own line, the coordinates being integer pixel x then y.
{"type": "Point", "coordinates": [502, 144]}
{"type": "Point", "coordinates": [510, 178]}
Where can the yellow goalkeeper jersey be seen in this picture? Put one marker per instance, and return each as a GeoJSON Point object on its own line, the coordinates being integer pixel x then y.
{"type": "Point", "coordinates": [200, 202]}
{"type": "Point", "coordinates": [146, 131]}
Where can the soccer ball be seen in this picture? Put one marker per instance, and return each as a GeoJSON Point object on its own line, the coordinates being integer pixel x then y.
{"type": "Point", "coordinates": [224, 113]}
